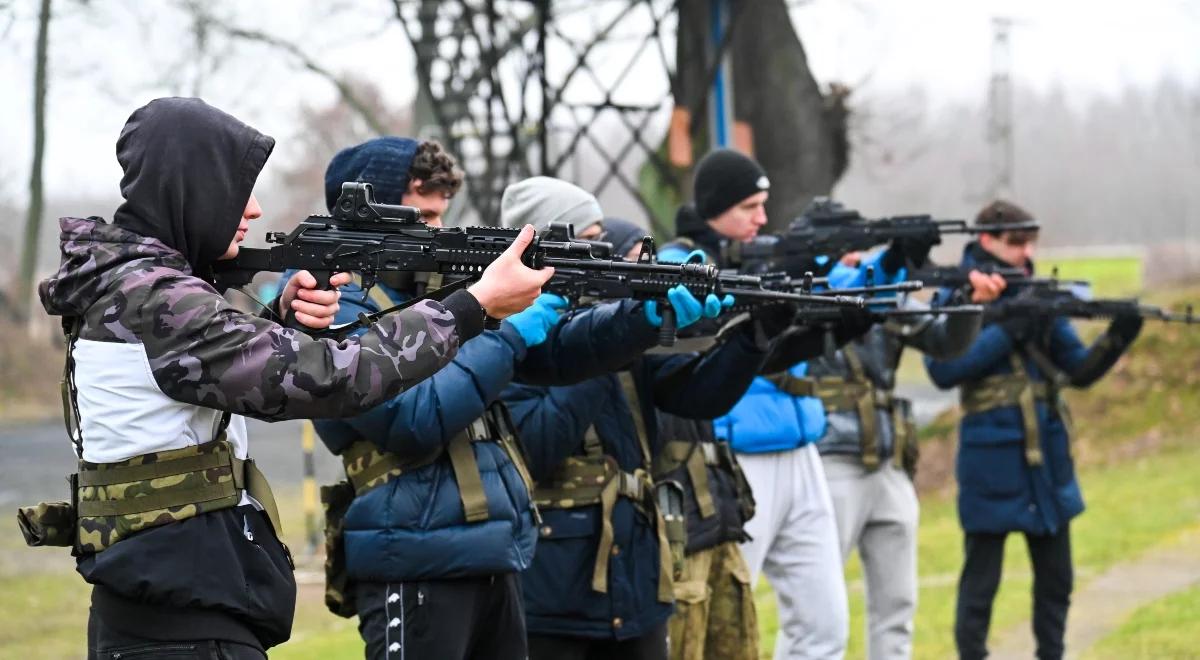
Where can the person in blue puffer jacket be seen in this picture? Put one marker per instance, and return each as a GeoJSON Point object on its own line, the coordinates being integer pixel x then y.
{"type": "Point", "coordinates": [1014, 466]}
{"type": "Point", "coordinates": [600, 584]}
{"type": "Point", "coordinates": [441, 520]}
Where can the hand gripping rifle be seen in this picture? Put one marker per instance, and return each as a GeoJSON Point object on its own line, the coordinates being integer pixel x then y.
{"type": "Point", "coordinates": [369, 238]}
{"type": "Point", "coordinates": [829, 229]}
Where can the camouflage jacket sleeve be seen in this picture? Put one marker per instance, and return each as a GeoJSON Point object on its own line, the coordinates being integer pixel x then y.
{"type": "Point", "coordinates": [203, 351]}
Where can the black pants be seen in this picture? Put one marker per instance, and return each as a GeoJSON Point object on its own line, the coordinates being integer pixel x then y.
{"type": "Point", "coordinates": [446, 619]}
{"type": "Point", "coordinates": [646, 647]}
{"type": "Point", "coordinates": [1053, 579]}
{"type": "Point", "coordinates": [104, 643]}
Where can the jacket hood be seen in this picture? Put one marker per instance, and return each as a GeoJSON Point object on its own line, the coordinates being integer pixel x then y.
{"type": "Point", "coordinates": [189, 171]}
{"type": "Point", "coordinates": [94, 255]}
{"type": "Point", "coordinates": [689, 224]}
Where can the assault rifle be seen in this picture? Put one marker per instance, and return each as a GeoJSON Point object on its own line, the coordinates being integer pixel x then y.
{"type": "Point", "coordinates": [1047, 302]}
{"type": "Point", "coordinates": [369, 238]}
{"type": "Point", "coordinates": [954, 277]}
{"type": "Point", "coordinates": [829, 229]}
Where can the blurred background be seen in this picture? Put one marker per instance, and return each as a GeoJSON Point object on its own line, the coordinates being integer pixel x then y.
{"type": "Point", "coordinates": [1086, 113]}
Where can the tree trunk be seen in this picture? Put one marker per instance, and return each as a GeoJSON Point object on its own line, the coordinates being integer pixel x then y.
{"type": "Point", "coordinates": [33, 221]}
{"type": "Point", "coordinates": [799, 134]}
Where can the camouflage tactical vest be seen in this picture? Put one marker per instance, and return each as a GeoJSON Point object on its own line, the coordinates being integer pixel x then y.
{"type": "Point", "coordinates": [1017, 389]}
{"type": "Point", "coordinates": [596, 478]}
{"type": "Point", "coordinates": [369, 467]}
{"type": "Point", "coordinates": [857, 393]}
{"type": "Point", "coordinates": [111, 501]}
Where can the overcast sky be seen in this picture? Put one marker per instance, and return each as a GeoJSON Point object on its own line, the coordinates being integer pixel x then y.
{"type": "Point", "coordinates": [105, 60]}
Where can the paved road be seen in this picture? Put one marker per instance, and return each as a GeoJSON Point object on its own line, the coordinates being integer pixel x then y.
{"type": "Point", "coordinates": [37, 457]}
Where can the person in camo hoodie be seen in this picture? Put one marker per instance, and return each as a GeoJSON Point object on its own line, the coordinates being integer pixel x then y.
{"type": "Point", "coordinates": [161, 361]}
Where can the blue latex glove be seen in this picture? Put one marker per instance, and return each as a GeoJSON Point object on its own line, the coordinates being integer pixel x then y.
{"type": "Point", "coordinates": [688, 310]}
{"type": "Point", "coordinates": [534, 322]}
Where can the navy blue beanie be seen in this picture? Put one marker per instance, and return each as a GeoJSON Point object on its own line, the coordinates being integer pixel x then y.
{"type": "Point", "coordinates": [383, 162]}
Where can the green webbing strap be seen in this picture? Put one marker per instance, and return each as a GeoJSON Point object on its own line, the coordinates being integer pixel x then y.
{"type": "Point", "coordinates": [169, 468]}
{"type": "Point", "coordinates": [900, 435]}
{"type": "Point", "coordinates": [865, 405]}
{"type": "Point", "coordinates": [699, 476]}
{"type": "Point", "coordinates": [786, 382]}
{"type": "Point", "coordinates": [608, 499]}
{"type": "Point", "coordinates": [592, 447]}
{"type": "Point", "coordinates": [381, 299]}
{"type": "Point", "coordinates": [635, 408]}
{"type": "Point", "coordinates": [466, 472]}
{"type": "Point", "coordinates": [255, 483]}
{"type": "Point", "coordinates": [1025, 400]}
{"type": "Point", "coordinates": [162, 500]}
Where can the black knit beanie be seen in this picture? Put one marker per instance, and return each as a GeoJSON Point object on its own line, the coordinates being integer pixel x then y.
{"type": "Point", "coordinates": [725, 177]}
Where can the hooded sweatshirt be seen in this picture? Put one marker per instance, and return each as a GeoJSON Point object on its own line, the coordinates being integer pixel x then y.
{"type": "Point", "coordinates": [161, 355]}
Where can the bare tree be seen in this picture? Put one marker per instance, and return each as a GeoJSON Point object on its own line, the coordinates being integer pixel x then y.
{"type": "Point", "coordinates": [33, 220]}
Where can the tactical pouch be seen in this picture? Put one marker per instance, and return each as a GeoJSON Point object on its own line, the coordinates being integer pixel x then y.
{"type": "Point", "coordinates": [48, 523]}
{"type": "Point", "coordinates": [669, 495]}
{"type": "Point", "coordinates": [336, 499]}
{"type": "Point", "coordinates": [907, 452]}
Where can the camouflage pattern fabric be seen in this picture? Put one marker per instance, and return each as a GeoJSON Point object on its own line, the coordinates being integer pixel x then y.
{"type": "Point", "coordinates": [336, 500]}
{"type": "Point", "coordinates": [150, 502]}
{"type": "Point", "coordinates": [133, 289]}
{"type": "Point", "coordinates": [714, 615]}
{"type": "Point", "coordinates": [48, 523]}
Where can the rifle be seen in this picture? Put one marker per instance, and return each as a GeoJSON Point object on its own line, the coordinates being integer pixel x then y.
{"type": "Point", "coordinates": [829, 229]}
{"type": "Point", "coordinates": [370, 238]}
{"type": "Point", "coordinates": [1047, 302]}
{"type": "Point", "coordinates": [954, 277]}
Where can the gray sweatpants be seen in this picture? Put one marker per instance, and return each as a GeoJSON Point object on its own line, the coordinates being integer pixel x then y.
{"type": "Point", "coordinates": [877, 513]}
{"type": "Point", "coordinates": [793, 540]}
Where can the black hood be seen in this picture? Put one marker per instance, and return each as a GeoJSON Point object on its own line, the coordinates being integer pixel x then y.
{"type": "Point", "coordinates": [189, 171]}
{"type": "Point", "coordinates": [689, 224]}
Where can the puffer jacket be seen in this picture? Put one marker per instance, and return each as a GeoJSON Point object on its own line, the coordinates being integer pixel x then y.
{"type": "Point", "coordinates": [559, 599]}
{"type": "Point", "coordinates": [413, 527]}
{"type": "Point", "coordinates": [998, 491]}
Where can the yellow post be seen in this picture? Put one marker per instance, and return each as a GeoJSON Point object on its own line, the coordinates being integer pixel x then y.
{"type": "Point", "coordinates": [311, 533]}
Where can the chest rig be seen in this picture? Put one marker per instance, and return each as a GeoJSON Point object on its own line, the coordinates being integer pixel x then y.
{"type": "Point", "coordinates": [857, 393]}
{"type": "Point", "coordinates": [1018, 389]}
{"type": "Point", "coordinates": [111, 501]}
{"type": "Point", "coordinates": [596, 478]}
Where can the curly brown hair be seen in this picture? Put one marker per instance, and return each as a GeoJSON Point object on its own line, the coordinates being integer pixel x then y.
{"type": "Point", "coordinates": [436, 169]}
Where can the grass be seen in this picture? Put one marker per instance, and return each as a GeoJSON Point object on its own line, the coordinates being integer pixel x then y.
{"type": "Point", "coordinates": [1110, 276]}
{"type": "Point", "coordinates": [1118, 525]}
{"type": "Point", "coordinates": [1163, 629]}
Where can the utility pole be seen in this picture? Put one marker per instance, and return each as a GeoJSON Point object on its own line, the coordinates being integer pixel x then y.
{"type": "Point", "coordinates": [1000, 111]}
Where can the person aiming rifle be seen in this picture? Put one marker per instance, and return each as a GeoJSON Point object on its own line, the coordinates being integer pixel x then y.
{"type": "Point", "coordinates": [1014, 467]}
{"type": "Point", "coordinates": [168, 518]}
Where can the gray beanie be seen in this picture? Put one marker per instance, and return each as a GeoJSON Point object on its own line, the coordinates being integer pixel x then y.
{"type": "Point", "coordinates": [541, 200]}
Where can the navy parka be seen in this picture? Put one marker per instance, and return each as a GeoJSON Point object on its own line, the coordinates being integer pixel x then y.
{"type": "Point", "coordinates": [559, 599]}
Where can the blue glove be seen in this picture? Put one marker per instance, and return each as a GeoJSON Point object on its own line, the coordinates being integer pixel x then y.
{"type": "Point", "coordinates": [688, 310]}
{"type": "Point", "coordinates": [534, 322]}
